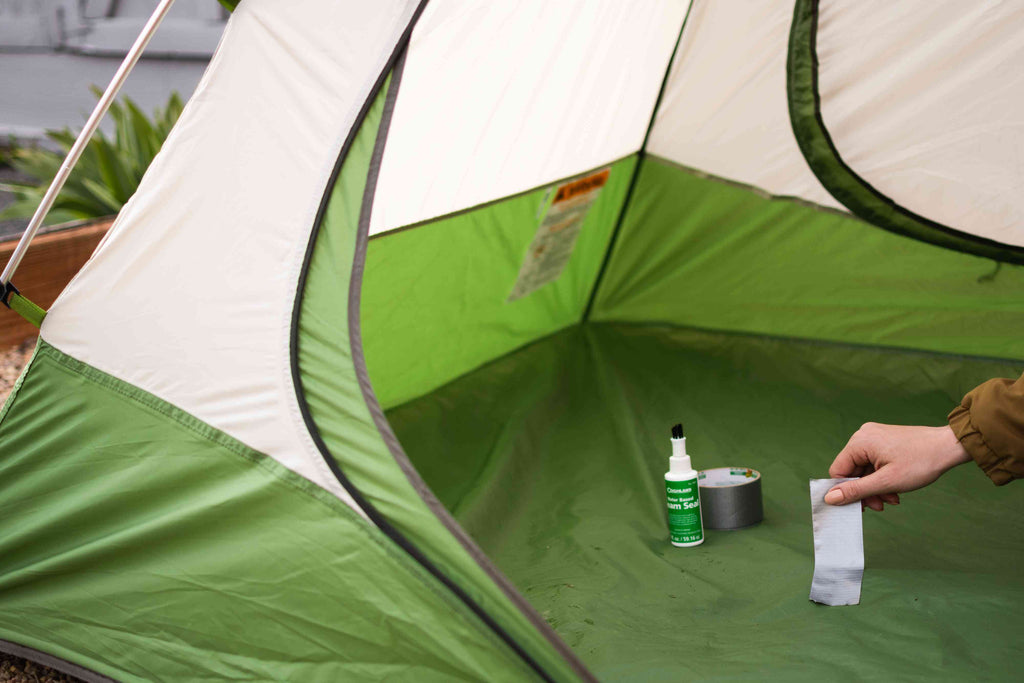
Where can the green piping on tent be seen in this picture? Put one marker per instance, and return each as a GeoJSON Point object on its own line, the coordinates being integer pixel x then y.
{"type": "Point", "coordinates": [838, 178]}
{"type": "Point", "coordinates": [546, 669]}
{"type": "Point", "coordinates": [341, 422]}
{"type": "Point", "coordinates": [162, 548]}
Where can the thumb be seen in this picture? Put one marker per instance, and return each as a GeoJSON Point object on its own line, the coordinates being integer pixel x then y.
{"type": "Point", "coordinates": [856, 489]}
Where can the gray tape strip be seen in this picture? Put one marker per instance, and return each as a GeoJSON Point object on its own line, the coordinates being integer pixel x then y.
{"type": "Point", "coordinates": [838, 548]}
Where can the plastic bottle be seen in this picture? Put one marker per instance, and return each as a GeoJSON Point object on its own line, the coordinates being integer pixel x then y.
{"type": "Point", "coordinates": [685, 524]}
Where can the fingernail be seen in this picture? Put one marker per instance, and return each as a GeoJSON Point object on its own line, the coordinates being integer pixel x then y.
{"type": "Point", "coordinates": [834, 497]}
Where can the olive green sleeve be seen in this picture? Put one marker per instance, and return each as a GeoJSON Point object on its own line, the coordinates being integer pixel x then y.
{"type": "Point", "coordinates": [990, 424]}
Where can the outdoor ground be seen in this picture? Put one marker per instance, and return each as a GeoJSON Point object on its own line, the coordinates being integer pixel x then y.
{"type": "Point", "coordinates": [16, 670]}
{"type": "Point", "coordinates": [12, 360]}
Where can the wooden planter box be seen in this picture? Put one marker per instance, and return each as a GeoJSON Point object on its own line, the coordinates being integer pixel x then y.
{"type": "Point", "coordinates": [51, 262]}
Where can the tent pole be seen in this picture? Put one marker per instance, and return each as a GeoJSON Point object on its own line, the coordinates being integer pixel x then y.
{"type": "Point", "coordinates": [91, 124]}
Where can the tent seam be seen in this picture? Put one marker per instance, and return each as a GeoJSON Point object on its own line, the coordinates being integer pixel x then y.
{"type": "Point", "coordinates": [13, 395]}
{"type": "Point", "coordinates": [837, 177]}
{"type": "Point", "coordinates": [805, 340]}
{"type": "Point", "coordinates": [191, 423]}
{"type": "Point", "coordinates": [393, 445]}
{"type": "Point", "coordinates": [281, 475]}
{"type": "Point", "coordinates": [483, 205]}
{"type": "Point", "coordinates": [714, 330]}
{"type": "Point", "coordinates": [759, 191]}
{"type": "Point", "coordinates": [500, 636]}
{"type": "Point", "coordinates": [265, 463]}
{"type": "Point", "coordinates": [641, 154]}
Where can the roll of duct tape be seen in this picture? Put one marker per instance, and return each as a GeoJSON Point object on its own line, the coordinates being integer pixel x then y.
{"type": "Point", "coordinates": [730, 497]}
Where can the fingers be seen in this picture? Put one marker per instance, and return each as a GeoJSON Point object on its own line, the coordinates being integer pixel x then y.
{"type": "Point", "coordinates": [878, 503]}
{"type": "Point", "coordinates": [843, 465]}
{"type": "Point", "coordinates": [873, 502]}
{"type": "Point", "coordinates": [855, 458]}
{"type": "Point", "coordinates": [870, 487]}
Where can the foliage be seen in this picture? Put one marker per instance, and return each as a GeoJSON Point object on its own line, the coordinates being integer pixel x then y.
{"type": "Point", "coordinates": [108, 172]}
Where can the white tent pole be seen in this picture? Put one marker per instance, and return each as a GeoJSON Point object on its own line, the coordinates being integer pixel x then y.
{"type": "Point", "coordinates": [83, 138]}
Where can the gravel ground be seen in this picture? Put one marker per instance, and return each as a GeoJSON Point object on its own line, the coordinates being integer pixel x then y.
{"type": "Point", "coordinates": [15, 669]}
{"type": "Point", "coordinates": [12, 360]}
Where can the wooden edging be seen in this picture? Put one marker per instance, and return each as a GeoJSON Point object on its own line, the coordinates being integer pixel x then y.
{"type": "Point", "coordinates": [49, 265]}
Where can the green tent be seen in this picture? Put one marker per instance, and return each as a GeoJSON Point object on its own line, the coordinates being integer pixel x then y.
{"type": "Point", "coordinates": [372, 379]}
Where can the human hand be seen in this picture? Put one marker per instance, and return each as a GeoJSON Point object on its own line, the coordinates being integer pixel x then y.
{"type": "Point", "coordinates": [892, 459]}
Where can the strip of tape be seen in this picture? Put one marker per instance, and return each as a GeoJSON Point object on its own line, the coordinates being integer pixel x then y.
{"type": "Point", "coordinates": [838, 548]}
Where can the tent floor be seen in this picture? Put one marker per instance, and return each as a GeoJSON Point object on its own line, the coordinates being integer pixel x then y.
{"type": "Point", "coordinates": [552, 458]}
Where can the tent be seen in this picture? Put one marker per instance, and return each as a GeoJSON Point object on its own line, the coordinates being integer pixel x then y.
{"type": "Point", "coordinates": [373, 377]}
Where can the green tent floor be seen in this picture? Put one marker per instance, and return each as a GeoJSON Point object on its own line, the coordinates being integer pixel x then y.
{"type": "Point", "coordinates": [552, 458]}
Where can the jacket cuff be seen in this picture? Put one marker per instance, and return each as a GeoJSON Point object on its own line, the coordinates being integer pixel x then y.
{"type": "Point", "coordinates": [970, 438]}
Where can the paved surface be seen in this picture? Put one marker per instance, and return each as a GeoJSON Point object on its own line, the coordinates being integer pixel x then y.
{"type": "Point", "coordinates": [51, 90]}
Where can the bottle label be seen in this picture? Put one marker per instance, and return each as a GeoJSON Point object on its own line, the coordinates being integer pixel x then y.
{"type": "Point", "coordinates": [684, 524]}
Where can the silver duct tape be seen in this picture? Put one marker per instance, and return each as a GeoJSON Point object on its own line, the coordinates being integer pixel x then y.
{"type": "Point", "coordinates": [730, 497]}
{"type": "Point", "coordinates": [838, 548]}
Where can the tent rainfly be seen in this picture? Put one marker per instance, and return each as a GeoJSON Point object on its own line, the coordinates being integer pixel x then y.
{"type": "Point", "coordinates": [372, 378]}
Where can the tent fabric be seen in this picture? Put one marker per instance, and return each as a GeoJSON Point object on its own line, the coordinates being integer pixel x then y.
{"type": "Point", "coordinates": [462, 311]}
{"type": "Point", "coordinates": [559, 479]}
{"type": "Point", "coordinates": [198, 273]}
{"type": "Point", "coordinates": [931, 124]}
{"type": "Point", "coordinates": [788, 269]}
{"type": "Point", "coordinates": [199, 474]}
{"type": "Point", "coordinates": [553, 89]}
{"type": "Point", "coordinates": [151, 546]}
{"type": "Point", "coordinates": [346, 422]}
{"type": "Point", "coordinates": [737, 127]}
{"type": "Point", "coordinates": [855, 192]}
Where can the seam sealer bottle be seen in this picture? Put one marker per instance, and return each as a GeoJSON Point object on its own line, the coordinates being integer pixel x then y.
{"type": "Point", "coordinates": [685, 524]}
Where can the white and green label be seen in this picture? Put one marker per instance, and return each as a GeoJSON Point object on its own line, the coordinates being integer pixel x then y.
{"type": "Point", "coordinates": [684, 511]}
{"type": "Point", "coordinates": [556, 237]}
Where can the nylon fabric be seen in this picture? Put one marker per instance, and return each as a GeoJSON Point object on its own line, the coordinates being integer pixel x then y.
{"type": "Point", "coordinates": [698, 251]}
{"type": "Point", "coordinates": [923, 98]}
{"type": "Point", "coordinates": [343, 420]}
{"type": "Point", "coordinates": [559, 478]}
{"type": "Point", "coordinates": [498, 98]}
{"type": "Point", "coordinates": [434, 308]}
{"type": "Point", "coordinates": [866, 201]}
{"type": "Point", "coordinates": [198, 273]}
{"type": "Point", "coordinates": [151, 546]}
{"type": "Point", "coordinates": [724, 110]}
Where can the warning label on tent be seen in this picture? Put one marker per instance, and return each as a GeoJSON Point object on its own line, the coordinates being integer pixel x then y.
{"type": "Point", "coordinates": [555, 240]}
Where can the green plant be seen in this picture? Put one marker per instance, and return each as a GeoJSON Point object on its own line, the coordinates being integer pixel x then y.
{"type": "Point", "coordinates": [108, 172]}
